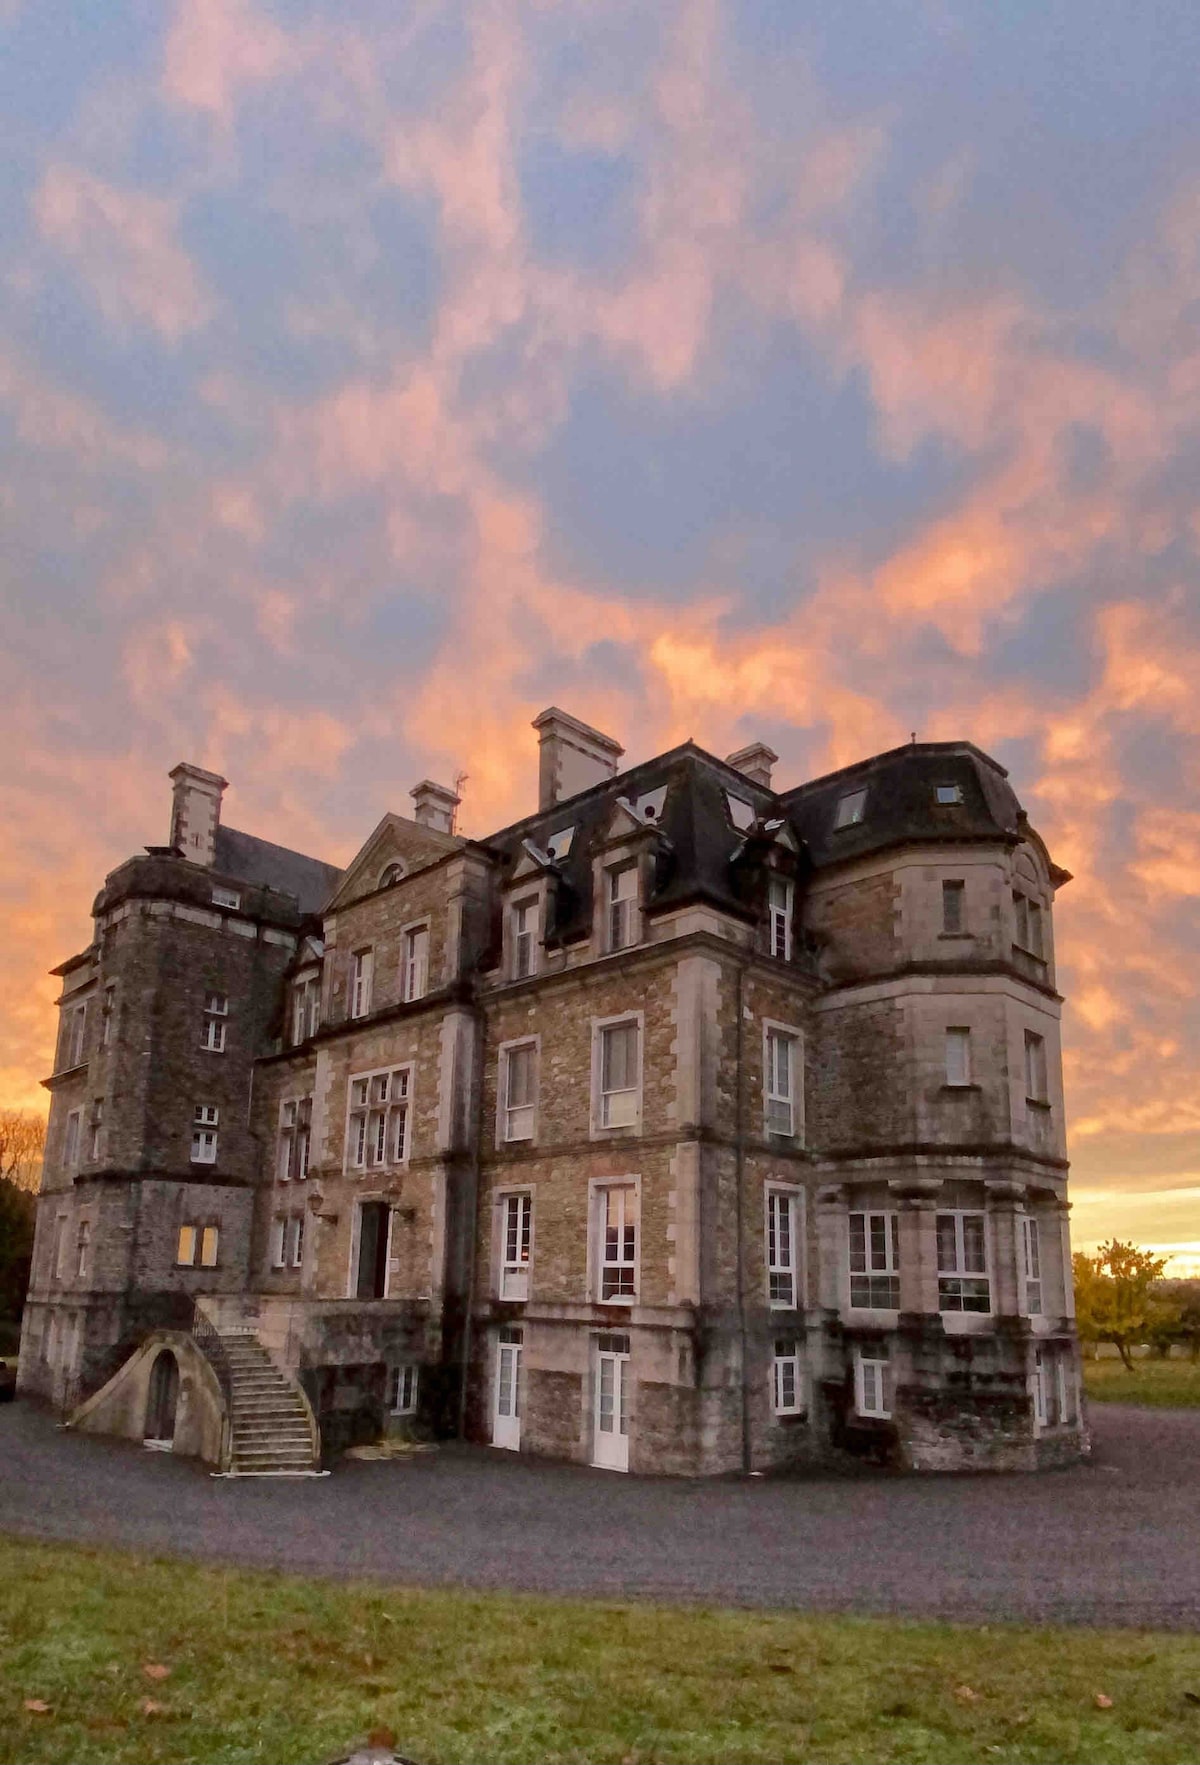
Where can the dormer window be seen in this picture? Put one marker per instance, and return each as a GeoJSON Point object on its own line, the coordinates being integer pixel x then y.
{"type": "Point", "coordinates": [524, 939]}
{"type": "Point", "coordinates": [948, 794]}
{"type": "Point", "coordinates": [779, 917]}
{"type": "Point", "coordinates": [226, 898]}
{"type": "Point", "coordinates": [850, 809]}
{"type": "Point", "coordinates": [391, 875]}
{"type": "Point", "coordinates": [622, 907]}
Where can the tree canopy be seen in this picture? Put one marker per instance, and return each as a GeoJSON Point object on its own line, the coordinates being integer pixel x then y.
{"type": "Point", "coordinates": [1118, 1296]}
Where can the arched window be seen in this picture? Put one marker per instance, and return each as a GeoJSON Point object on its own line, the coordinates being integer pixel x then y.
{"type": "Point", "coordinates": [391, 875]}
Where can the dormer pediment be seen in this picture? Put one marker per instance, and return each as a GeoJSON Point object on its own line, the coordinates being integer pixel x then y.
{"type": "Point", "coordinates": [395, 849]}
{"type": "Point", "coordinates": [531, 861]}
{"type": "Point", "coordinates": [623, 824]}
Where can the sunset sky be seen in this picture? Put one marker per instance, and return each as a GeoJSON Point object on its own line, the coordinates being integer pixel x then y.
{"type": "Point", "coordinates": [374, 373]}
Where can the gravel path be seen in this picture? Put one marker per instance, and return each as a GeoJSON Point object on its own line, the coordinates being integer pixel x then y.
{"type": "Point", "coordinates": [1113, 1542]}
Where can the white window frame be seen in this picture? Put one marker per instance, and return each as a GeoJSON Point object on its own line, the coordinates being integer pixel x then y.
{"type": "Point", "coordinates": [1036, 1069]}
{"type": "Point", "coordinates": [403, 1384]}
{"type": "Point", "coordinates": [785, 1360]}
{"type": "Point", "coordinates": [524, 928]}
{"type": "Point", "coordinates": [622, 906]}
{"type": "Point", "coordinates": [306, 1007]}
{"type": "Point", "coordinates": [223, 897]}
{"type": "Point", "coordinates": [780, 906]}
{"type": "Point", "coordinates": [216, 1011]}
{"type": "Point", "coordinates": [83, 1244]}
{"type": "Point", "coordinates": [954, 889]}
{"type": "Point", "coordinates": [75, 1039]}
{"type": "Point", "coordinates": [885, 1272]}
{"type": "Point", "coordinates": [598, 1260]}
{"type": "Point", "coordinates": [602, 1125]}
{"type": "Point", "coordinates": [96, 1131]}
{"type": "Point", "coordinates": [294, 1143]}
{"type": "Point", "coordinates": [362, 1149]}
{"type": "Point", "coordinates": [960, 1275]}
{"type": "Point", "coordinates": [294, 1241]}
{"type": "Point", "coordinates": [1042, 1383]}
{"type": "Point", "coordinates": [783, 1219]}
{"type": "Point", "coordinates": [277, 1245]}
{"type": "Point", "coordinates": [1031, 1263]}
{"type": "Point", "coordinates": [205, 1121]}
{"type": "Point", "coordinates": [783, 1116]}
{"type": "Point", "coordinates": [362, 977]}
{"type": "Point", "coordinates": [872, 1380]}
{"type": "Point", "coordinates": [515, 1231]}
{"type": "Point", "coordinates": [958, 1043]}
{"type": "Point", "coordinates": [516, 1124]}
{"type": "Point", "coordinates": [414, 961]}
{"type": "Point", "coordinates": [73, 1140]}
{"type": "Point", "coordinates": [851, 809]}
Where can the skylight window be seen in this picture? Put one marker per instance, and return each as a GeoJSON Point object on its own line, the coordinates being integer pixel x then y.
{"type": "Point", "coordinates": [225, 897]}
{"type": "Point", "coordinates": [850, 809]}
{"type": "Point", "coordinates": [949, 793]}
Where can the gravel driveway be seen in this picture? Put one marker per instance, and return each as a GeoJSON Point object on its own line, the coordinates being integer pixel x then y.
{"type": "Point", "coordinates": [1116, 1541]}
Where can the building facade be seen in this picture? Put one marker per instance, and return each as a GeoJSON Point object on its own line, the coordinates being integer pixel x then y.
{"type": "Point", "coordinates": [687, 1125]}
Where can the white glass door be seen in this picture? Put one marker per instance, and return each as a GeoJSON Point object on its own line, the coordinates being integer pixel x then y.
{"type": "Point", "coordinates": [506, 1410]}
{"type": "Point", "coordinates": [612, 1406]}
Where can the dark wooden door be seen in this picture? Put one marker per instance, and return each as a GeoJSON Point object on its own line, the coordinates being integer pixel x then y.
{"type": "Point", "coordinates": [163, 1398]}
{"type": "Point", "coordinates": [372, 1249]}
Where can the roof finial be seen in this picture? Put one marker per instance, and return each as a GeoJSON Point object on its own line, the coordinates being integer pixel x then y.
{"type": "Point", "coordinates": [912, 736]}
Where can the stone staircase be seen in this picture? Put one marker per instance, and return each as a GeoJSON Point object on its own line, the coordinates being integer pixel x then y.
{"type": "Point", "coordinates": [271, 1432]}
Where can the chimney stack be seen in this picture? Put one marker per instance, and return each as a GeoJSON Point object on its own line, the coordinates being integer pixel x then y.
{"type": "Point", "coordinates": [755, 762]}
{"type": "Point", "coordinates": [196, 811]}
{"type": "Point", "coordinates": [435, 805]}
{"type": "Point", "coordinates": [571, 757]}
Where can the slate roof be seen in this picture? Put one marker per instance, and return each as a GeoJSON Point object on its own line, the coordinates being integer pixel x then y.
{"type": "Point", "coordinates": [247, 859]}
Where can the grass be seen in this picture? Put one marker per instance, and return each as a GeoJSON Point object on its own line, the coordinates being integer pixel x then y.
{"type": "Point", "coordinates": [274, 1668]}
{"type": "Point", "coordinates": [1171, 1384]}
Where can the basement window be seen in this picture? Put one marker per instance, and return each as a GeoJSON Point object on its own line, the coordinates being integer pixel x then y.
{"type": "Point", "coordinates": [402, 1390]}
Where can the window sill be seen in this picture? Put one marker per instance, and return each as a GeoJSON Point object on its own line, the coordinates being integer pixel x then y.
{"type": "Point", "coordinates": [970, 1087]}
{"type": "Point", "coordinates": [958, 937]}
{"type": "Point", "coordinates": [1039, 1103]}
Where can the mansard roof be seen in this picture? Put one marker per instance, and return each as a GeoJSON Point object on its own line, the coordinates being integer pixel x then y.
{"type": "Point", "coordinates": [248, 859]}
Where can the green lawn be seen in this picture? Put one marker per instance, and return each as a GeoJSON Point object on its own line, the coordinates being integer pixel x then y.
{"type": "Point", "coordinates": [282, 1670]}
{"type": "Point", "coordinates": [1173, 1384]}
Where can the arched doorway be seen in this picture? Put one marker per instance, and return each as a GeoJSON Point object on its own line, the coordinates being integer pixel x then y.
{"type": "Point", "coordinates": [162, 1401]}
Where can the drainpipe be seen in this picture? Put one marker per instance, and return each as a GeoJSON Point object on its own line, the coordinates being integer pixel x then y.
{"type": "Point", "coordinates": [474, 1222]}
{"type": "Point", "coordinates": [738, 1166]}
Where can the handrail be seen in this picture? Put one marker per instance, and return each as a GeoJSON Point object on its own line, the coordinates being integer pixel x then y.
{"type": "Point", "coordinates": [208, 1341]}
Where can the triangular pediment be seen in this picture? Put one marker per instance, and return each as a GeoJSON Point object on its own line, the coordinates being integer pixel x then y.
{"type": "Point", "coordinates": [395, 842]}
{"type": "Point", "coordinates": [622, 823]}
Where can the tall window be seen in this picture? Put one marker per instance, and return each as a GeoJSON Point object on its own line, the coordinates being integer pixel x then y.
{"type": "Point", "coordinates": [185, 1246]}
{"type": "Point", "coordinates": [872, 1380]}
{"type": "Point", "coordinates": [295, 1138]}
{"type": "Point", "coordinates": [958, 1056]}
{"type": "Point", "coordinates": [74, 1038]}
{"type": "Point", "coordinates": [1035, 1068]}
{"type": "Point", "coordinates": [1027, 915]}
{"type": "Point", "coordinates": [962, 1263]}
{"type": "Point", "coordinates": [782, 1246]}
{"type": "Point", "coordinates": [205, 1120]}
{"type": "Point", "coordinates": [295, 1240]}
{"type": "Point", "coordinates": [379, 1119]}
{"type": "Point", "coordinates": [402, 1390]}
{"type": "Point", "coordinates": [1031, 1262]}
{"type": "Point", "coordinates": [306, 1008]}
{"type": "Point", "coordinates": [516, 1228]}
{"type": "Point", "coordinates": [1042, 1387]}
{"type": "Point", "coordinates": [71, 1143]}
{"type": "Point", "coordinates": [82, 1248]}
{"type": "Point", "coordinates": [618, 1243]}
{"type": "Point", "coordinates": [953, 901]}
{"type": "Point", "coordinates": [96, 1148]}
{"type": "Point", "coordinates": [216, 1010]}
{"type": "Point", "coordinates": [520, 1070]}
{"type": "Point", "coordinates": [786, 1390]}
{"type": "Point", "coordinates": [779, 917]}
{"type": "Point", "coordinates": [108, 1009]}
{"type": "Point", "coordinates": [875, 1260]}
{"type": "Point", "coordinates": [524, 939]}
{"type": "Point", "coordinates": [622, 906]}
{"type": "Point", "coordinates": [780, 1082]}
{"type": "Point", "coordinates": [619, 1087]}
{"type": "Point", "coordinates": [416, 962]}
{"type": "Point", "coordinates": [209, 1240]}
{"type": "Point", "coordinates": [361, 975]}
{"type": "Point", "coordinates": [278, 1236]}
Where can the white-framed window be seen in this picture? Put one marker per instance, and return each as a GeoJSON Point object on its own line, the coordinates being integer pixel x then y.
{"type": "Point", "coordinates": [617, 1241]}
{"type": "Point", "coordinates": [295, 1240]}
{"type": "Point", "coordinates": [787, 1388]}
{"type": "Point", "coordinates": [875, 1260]}
{"type": "Point", "coordinates": [295, 1140]}
{"type": "Point", "coordinates": [71, 1140]}
{"type": "Point", "coordinates": [222, 897]}
{"type": "Point", "coordinates": [958, 1055]}
{"type": "Point", "coordinates": [519, 1079]}
{"type": "Point", "coordinates": [402, 1389]}
{"type": "Point", "coordinates": [1042, 1387]}
{"type": "Point", "coordinates": [1031, 1264]}
{"type": "Point", "coordinates": [524, 933]}
{"type": "Point", "coordinates": [362, 971]}
{"type": "Point", "coordinates": [948, 793]}
{"type": "Point", "coordinates": [108, 1012]}
{"type": "Point", "coordinates": [74, 1036]}
{"type": "Point", "coordinates": [186, 1245]}
{"type": "Point", "coordinates": [96, 1147]}
{"type": "Point", "coordinates": [1027, 915]}
{"type": "Point", "coordinates": [306, 1007]}
{"type": "Point", "coordinates": [850, 809]}
{"type": "Point", "coordinates": [618, 1073]}
{"type": "Point", "coordinates": [1064, 1386]}
{"type": "Point", "coordinates": [783, 1246]}
{"type": "Point", "coordinates": [954, 896]}
{"type": "Point", "coordinates": [210, 1238]}
{"type": "Point", "coordinates": [516, 1237]}
{"type": "Point", "coordinates": [780, 1095]}
{"type": "Point", "coordinates": [216, 1010]}
{"type": "Point", "coordinates": [779, 917]}
{"type": "Point", "coordinates": [963, 1283]}
{"type": "Point", "coordinates": [416, 962]}
{"type": "Point", "coordinates": [1035, 1068]}
{"type": "Point", "coordinates": [872, 1379]}
{"type": "Point", "coordinates": [82, 1249]}
{"type": "Point", "coordinates": [379, 1118]}
{"type": "Point", "coordinates": [205, 1121]}
{"type": "Point", "coordinates": [622, 892]}
{"type": "Point", "coordinates": [278, 1246]}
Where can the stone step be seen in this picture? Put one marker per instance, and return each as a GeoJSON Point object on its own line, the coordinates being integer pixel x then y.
{"type": "Point", "coordinates": [273, 1462]}
{"type": "Point", "coordinates": [278, 1427]}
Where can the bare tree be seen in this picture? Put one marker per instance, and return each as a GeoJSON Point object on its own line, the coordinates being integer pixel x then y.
{"type": "Point", "coordinates": [22, 1143]}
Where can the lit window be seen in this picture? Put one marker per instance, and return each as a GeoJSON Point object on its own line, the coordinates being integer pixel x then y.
{"type": "Point", "coordinates": [619, 1075]}
{"type": "Point", "coordinates": [780, 1083]}
{"type": "Point", "coordinates": [872, 1380]}
{"type": "Point", "coordinates": [953, 900]}
{"type": "Point", "coordinates": [524, 939]}
{"type": "Point", "coordinates": [958, 1056]}
{"type": "Point", "coordinates": [786, 1389]}
{"type": "Point", "coordinates": [97, 1126]}
{"type": "Point", "coordinates": [949, 793]}
{"type": "Point", "coordinates": [226, 898]}
{"type": "Point", "coordinates": [779, 917]}
{"type": "Point", "coordinates": [71, 1143]}
{"type": "Point", "coordinates": [204, 1134]}
{"type": "Point", "coordinates": [517, 1231]}
{"type": "Point", "coordinates": [850, 809]}
{"type": "Point", "coordinates": [782, 1244]}
{"type": "Point", "coordinates": [519, 1091]}
{"type": "Point", "coordinates": [82, 1245]}
{"type": "Point", "coordinates": [416, 962]}
{"type": "Point", "coordinates": [875, 1260]}
{"type": "Point", "coordinates": [1035, 1068]}
{"type": "Point", "coordinates": [622, 907]}
{"type": "Point", "coordinates": [216, 1010]}
{"type": "Point", "coordinates": [402, 1390]}
{"type": "Point", "coordinates": [962, 1263]}
{"type": "Point", "coordinates": [209, 1239]}
{"type": "Point", "coordinates": [379, 1119]}
{"type": "Point", "coordinates": [185, 1247]}
{"type": "Point", "coordinates": [618, 1244]}
{"type": "Point", "coordinates": [361, 973]}
{"type": "Point", "coordinates": [1031, 1261]}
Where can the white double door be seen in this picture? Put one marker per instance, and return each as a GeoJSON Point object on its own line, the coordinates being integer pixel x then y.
{"type": "Point", "coordinates": [506, 1398]}
{"type": "Point", "coordinates": [611, 1447]}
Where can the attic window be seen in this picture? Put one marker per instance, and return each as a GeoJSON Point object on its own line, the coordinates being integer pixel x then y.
{"type": "Point", "coordinates": [226, 897]}
{"type": "Point", "coordinates": [850, 809]}
{"type": "Point", "coordinates": [559, 844]}
{"type": "Point", "coordinates": [741, 813]}
{"type": "Point", "coordinates": [391, 875]}
{"type": "Point", "coordinates": [949, 793]}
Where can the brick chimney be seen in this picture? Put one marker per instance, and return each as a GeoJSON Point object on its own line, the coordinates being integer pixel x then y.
{"type": "Point", "coordinates": [435, 805]}
{"type": "Point", "coordinates": [196, 811]}
{"type": "Point", "coordinates": [572, 756]}
{"type": "Point", "coordinates": [755, 762]}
